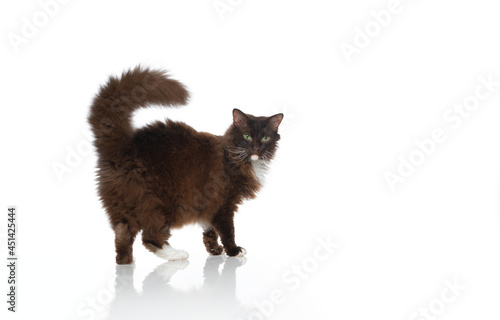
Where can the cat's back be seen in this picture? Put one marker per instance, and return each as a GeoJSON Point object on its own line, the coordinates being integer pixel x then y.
{"type": "Point", "coordinates": [177, 148]}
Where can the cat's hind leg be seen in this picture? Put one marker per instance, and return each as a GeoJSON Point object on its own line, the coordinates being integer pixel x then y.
{"type": "Point", "coordinates": [156, 240]}
{"type": "Point", "coordinates": [124, 239]}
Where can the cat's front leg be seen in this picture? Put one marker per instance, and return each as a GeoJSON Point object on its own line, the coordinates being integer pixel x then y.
{"type": "Point", "coordinates": [223, 222]}
{"type": "Point", "coordinates": [210, 240]}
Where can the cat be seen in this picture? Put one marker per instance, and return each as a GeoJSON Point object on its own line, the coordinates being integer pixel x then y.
{"type": "Point", "coordinates": [167, 175]}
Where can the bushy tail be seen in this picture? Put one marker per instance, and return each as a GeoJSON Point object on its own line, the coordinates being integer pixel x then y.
{"type": "Point", "coordinates": [112, 108]}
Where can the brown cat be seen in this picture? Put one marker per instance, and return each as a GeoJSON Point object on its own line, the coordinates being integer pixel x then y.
{"type": "Point", "coordinates": [167, 174]}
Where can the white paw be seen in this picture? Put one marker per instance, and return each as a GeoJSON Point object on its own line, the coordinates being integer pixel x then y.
{"type": "Point", "coordinates": [169, 253]}
{"type": "Point", "coordinates": [242, 253]}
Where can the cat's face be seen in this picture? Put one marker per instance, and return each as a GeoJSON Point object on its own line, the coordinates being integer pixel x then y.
{"type": "Point", "coordinates": [255, 138]}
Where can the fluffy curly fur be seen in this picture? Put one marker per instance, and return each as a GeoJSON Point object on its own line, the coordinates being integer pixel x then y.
{"type": "Point", "coordinates": [167, 174]}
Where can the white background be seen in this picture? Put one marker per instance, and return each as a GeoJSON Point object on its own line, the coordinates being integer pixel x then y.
{"type": "Point", "coordinates": [346, 125]}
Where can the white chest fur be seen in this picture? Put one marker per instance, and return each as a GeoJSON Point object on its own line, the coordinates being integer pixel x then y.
{"type": "Point", "coordinates": [260, 168]}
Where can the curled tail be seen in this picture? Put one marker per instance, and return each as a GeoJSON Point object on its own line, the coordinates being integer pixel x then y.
{"type": "Point", "coordinates": [112, 108]}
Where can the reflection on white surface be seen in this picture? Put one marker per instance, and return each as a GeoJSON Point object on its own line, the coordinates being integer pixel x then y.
{"type": "Point", "coordinates": [216, 299]}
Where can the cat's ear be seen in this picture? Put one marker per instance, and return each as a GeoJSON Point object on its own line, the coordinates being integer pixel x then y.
{"type": "Point", "coordinates": [274, 121]}
{"type": "Point", "coordinates": [239, 118]}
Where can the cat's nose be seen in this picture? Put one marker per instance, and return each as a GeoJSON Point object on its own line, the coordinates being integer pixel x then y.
{"type": "Point", "coordinates": [255, 150]}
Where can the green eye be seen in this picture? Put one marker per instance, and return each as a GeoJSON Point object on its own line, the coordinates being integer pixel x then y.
{"type": "Point", "coordinates": [247, 137]}
{"type": "Point", "coordinates": [265, 139]}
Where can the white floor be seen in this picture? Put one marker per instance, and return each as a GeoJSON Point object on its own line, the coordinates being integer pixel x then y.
{"type": "Point", "coordinates": [447, 270]}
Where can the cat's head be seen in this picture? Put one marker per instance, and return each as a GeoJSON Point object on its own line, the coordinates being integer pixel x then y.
{"type": "Point", "coordinates": [253, 138]}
